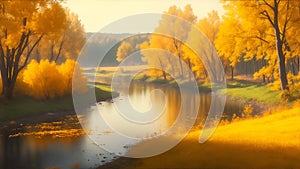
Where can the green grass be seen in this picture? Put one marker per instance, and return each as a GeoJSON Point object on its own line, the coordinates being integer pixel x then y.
{"type": "Point", "coordinates": [26, 106]}
{"type": "Point", "coordinates": [252, 91]}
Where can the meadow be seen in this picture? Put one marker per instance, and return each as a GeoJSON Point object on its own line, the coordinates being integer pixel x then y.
{"type": "Point", "coordinates": [271, 141]}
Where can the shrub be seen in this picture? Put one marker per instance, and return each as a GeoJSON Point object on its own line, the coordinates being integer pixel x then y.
{"type": "Point", "coordinates": [67, 70]}
{"type": "Point", "coordinates": [294, 89]}
{"type": "Point", "coordinates": [248, 110]}
{"type": "Point", "coordinates": [43, 79]}
{"type": "Point", "coordinates": [46, 80]}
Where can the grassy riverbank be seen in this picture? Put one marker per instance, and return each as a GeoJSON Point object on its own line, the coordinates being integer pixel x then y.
{"type": "Point", "coordinates": [271, 141]}
{"type": "Point", "coordinates": [242, 87]}
{"type": "Point", "coordinates": [255, 91]}
{"type": "Point", "coordinates": [26, 106]}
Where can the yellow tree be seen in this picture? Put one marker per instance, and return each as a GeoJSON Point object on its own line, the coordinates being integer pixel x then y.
{"type": "Point", "coordinates": [124, 50]}
{"type": "Point", "coordinates": [65, 44]}
{"type": "Point", "coordinates": [176, 29]}
{"type": "Point", "coordinates": [156, 57]}
{"type": "Point", "coordinates": [209, 26]}
{"type": "Point", "coordinates": [228, 42]}
{"type": "Point", "coordinates": [280, 17]}
{"type": "Point", "coordinates": [23, 25]}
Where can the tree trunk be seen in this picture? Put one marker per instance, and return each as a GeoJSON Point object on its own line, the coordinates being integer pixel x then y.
{"type": "Point", "coordinates": [280, 55]}
{"type": "Point", "coordinates": [298, 64]}
{"type": "Point", "coordinates": [190, 67]}
{"type": "Point", "coordinates": [177, 47]}
{"type": "Point", "coordinates": [161, 66]}
{"type": "Point", "coordinates": [8, 87]}
{"type": "Point", "coordinates": [180, 64]}
{"type": "Point", "coordinates": [232, 72]}
{"type": "Point", "coordinates": [8, 91]}
{"type": "Point", "coordinates": [279, 38]}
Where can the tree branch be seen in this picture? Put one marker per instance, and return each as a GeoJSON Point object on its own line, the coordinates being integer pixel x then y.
{"type": "Point", "coordinates": [269, 5]}
{"type": "Point", "coordinates": [60, 48]}
{"type": "Point", "coordinates": [267, 16]}
{"type": "Point", "coordinates": [29, 52]}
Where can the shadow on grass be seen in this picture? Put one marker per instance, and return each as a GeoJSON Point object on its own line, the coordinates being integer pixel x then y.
{"type": "Point", "coordinates": [240, 83]}
{"type": "Point", "coordinates": [192, 155]}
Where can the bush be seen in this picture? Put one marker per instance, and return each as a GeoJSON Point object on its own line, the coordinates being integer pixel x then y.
{"type": "Point", "coordinates": [292, 94]}
{"type": "Point", "coordinates": [43, 79]}
{"type": "Point", "coordinates": [67, 70]}
{"type": "Point", "coordinates": [46, 80]}
{"type": "Point", "coordinates": [248, 110]}
{"type": "Point", "coordinates": [294, 89]}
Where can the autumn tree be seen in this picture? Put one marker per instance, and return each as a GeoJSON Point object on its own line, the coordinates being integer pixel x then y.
{"type": "Point", "coordinates": [64, 44]}
{"type": "Point", "coordinates": [23, 25]}
{"type": "Point", "coordinates": [173, 25]}
{"type": "Point", "coordinates": [210, 27]}
{"type": "Point", "coordinates": [124, 50]}
{"type": "Point", "coordinates": [228, 43]}
{"type": "Point", "coordinates": [156, 58]}
{"type": "Point", "coordinates": [271, 22]}
{"type": "Point", "coordinates": [177, 29]}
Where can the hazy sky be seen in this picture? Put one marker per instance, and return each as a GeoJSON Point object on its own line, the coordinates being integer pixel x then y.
{"type": "Point", "coordinates": [95, 14]}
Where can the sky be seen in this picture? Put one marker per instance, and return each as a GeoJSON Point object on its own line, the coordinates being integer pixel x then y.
{"type": "Point", "coordinates": [97, 14]}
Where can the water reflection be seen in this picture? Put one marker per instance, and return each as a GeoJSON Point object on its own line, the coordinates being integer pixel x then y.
{"type": "Point", "coordinates": [35, 151]}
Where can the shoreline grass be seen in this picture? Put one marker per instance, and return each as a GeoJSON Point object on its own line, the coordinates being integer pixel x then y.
{"type": "Point", "coordinates": [26, 106]}
{"type": "Point", "coordinates": [252, 91]}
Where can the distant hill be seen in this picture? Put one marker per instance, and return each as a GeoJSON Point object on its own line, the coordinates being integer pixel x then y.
{"type": "Point", "coordinates": [101, 44]}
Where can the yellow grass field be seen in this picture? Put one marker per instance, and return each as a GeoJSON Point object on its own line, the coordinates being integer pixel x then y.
{"type": "Point", "coordinates": [272, 141]}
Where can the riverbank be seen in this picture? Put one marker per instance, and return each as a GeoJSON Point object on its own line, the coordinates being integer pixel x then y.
{"type": "Point", "coordinates": [271, 141]}
{"type": "Point", "coordinates": [27, 111]}
{"type": "Point", "coordinates": [242, 87]}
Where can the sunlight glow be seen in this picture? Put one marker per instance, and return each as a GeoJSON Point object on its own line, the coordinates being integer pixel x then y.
{"type": "Point", "coordinates": [95, 14]}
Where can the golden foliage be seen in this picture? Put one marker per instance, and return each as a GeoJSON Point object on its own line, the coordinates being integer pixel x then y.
{"type": "Point", "coordinates": [248, 110]}
{"type": "Point", "coordinates": [23, 25]}
{"type": "Point", "coordinates": [124, 50]}
{"type": "Point", "coordinates": [67, 70]}
{"type": "Point", "coordinates": [173, 53]}
{"type": "Point", "coordinates": [43, 79]}
{"type": "Point", "coordinates": [46, 80]}
{"type": "Point", "coordinates": [66, 43]}
{"type": "Point", "coordinates": [262, 30]}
